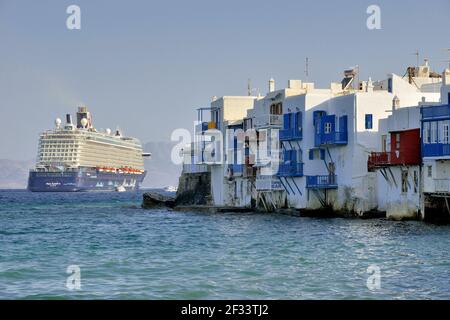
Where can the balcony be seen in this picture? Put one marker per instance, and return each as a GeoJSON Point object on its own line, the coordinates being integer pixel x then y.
{"type": "Point", "coordinates": [442, 185]}
{"type": "Point", "coordinates": [210, 153]}
{"type": "Point", "coordinates": [201, 127]}
{"type": "Point", "coordinates": [235, 170]}
{"type": "Point", "coordinates": [268, 183]}
{"type": "Point", "coordinates": [291, 134]}
{"type": "Point", "coordinates": [194, 168]}
{"type": "Point", "coordinates": [290, 170]}
{"type": "Point", "coordinates": [435, 112]}
{"type": "Point", "coordinates": [332, 138]}
{"type": "Point", "coordinates": [405, 156]}
{"type": "Point", "coordinates": [205, 126]}
{"type": "Point", "coordinates": [435, 150]}
{"type": "Point", "coordinates": [378, 160]}
{"type": "Point", "coordinates": [267, 120]}
{"type": "Point", "coordinates": [321, 182]}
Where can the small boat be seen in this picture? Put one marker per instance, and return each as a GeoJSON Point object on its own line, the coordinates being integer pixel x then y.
{"type": "Point", "coordinates": [120, 188]}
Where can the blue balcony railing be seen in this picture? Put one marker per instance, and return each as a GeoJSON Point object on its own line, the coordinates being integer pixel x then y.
{"type": "Point", "coordinates": [236, 169]}
{"type": "Point", "coordinates": [435, 112]}
{"type": "Point", "coordinates": [336, 138]}
{"type": "Point", "coordinates": [290, 170]}
{"type": "Point", "coordinates": [291, 134]}
{"type": "Point", "coordinates": [201, 127]}
{"type": "Point", "coordinates": [322, 182]}
{"type": "Point", "coordinates": [435, 150]}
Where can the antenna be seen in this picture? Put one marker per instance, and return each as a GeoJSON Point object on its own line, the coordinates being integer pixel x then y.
{"type": "Point", "coordinates": [249, 87]}
{"type": "Point", "coordinates": [417, 57]}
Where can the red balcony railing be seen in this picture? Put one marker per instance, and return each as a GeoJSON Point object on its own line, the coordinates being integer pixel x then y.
{"type": "Point", "coordinates": [405, 156]}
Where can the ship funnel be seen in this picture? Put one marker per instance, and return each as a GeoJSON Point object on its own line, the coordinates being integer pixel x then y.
{"type": "Point", "coordinates": [69, 118]}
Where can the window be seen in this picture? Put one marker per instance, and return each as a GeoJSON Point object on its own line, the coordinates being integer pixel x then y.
{"type": "Point", "coordinates": [276, 108]}
{"type": "Point", "coordinates": [426, 132]}
{"type": "Point", "coordinates": [397, 141]}
{"type": "Point", "coordinates": [404, 181]}
{"type": "Point", "coordinates": [445, 126]}
{"type": "Point", "coordinates": [383, 143]}
{"type": "Point", "coordinates": [430, 171]}
{"type": "Point", "coordinates": [327, 127]}
{"type": "Point", "coordinates": [316, 154]}
{"type": "Point", "coordinates": [369, 118]}
{"type": "Point", "coordinates": [390, 85]}
{"type": "Point", "coordinates": [433, 130]}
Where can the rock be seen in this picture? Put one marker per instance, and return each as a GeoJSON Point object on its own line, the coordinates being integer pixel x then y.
{"type": "Point", "coordinates": [194, 189]}
{"type": "Point", "coordinates": [156, 200]}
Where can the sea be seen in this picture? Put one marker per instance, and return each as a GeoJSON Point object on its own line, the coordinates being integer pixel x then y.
{"type": "Point", "coordinates": [105, 246]}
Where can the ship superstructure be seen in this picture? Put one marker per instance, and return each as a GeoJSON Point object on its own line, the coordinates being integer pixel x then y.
{"type": "Point", "coordinates": [77, 157]}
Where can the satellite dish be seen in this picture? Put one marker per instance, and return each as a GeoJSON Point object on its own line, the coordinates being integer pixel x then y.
{"type": "Point", "coordinates": [84, 122]}
{"type": "Point", "coordinates": [108, 131]}
{"type": "Point", "coordinates": [58, 122]}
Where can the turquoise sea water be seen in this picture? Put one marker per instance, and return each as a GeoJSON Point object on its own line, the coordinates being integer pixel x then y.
{"type": "Point", "coordinates": [125, 252]}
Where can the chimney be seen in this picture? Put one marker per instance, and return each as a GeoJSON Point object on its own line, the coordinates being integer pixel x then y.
{"type": "Point", "coordinates": [395, 103]}
{"type": "Point", "coordinates": [69, 118]}
{"type": "Point", "coordinates": [271, 85]}
{"type": "Point", "coordinates": [446, 77]}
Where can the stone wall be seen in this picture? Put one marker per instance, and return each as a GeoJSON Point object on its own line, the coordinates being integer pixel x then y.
{"type": "Point", "coordinates": [194, 189]}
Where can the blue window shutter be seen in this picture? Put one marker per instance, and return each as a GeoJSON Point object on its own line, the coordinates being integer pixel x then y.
{"type": "Point", "coordinates": [285, 155]}
{"type": "Point", "coordinates": [293, 121]}
{"type": "Point", "coordinates": [299, 119]}
{"type": "Point", "coordinates": [322, 154]}
{"type": "Point", "coordinates": [286, 121]}
{"type": "Point", "coordinates": [311, 154]}
{"type": "Point", "coordinates": [369, 121]}
{"type": "Point", "coordinates": [293, 156]}
{"type": "Point", "coordinates": [343, 124]}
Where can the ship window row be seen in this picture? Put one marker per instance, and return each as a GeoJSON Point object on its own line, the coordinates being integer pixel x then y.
{"type": "Point", "coordinates": [58, 159]}
{"type": "Point", "coordinates": [436, 132]}
{"type": "Point", "coordinates": [57, 150]}
{"type": "Point", "coordinates": [57, 155]}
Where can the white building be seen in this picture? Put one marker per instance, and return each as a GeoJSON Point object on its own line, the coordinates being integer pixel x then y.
{"type": "Point", "coordinates": [312, 145]}
{"type": "Point", "coordinates": [436, 154]}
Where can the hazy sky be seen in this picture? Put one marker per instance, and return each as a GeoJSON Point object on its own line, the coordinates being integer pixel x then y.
{"type": "Point", "coordinates": [146, 65]}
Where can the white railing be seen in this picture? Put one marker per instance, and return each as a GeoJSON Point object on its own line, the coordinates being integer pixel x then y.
{"type": "Point", "coordinates": [268, 183]}
{"type": "Point", "coordinates": [195, 168]}
{"type": "Point", "coordinates": [442, 185]}
{"type": "Point", "coordinates": [268, 120]}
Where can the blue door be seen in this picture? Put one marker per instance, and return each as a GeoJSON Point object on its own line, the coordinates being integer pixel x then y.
{"type": "Point", "coordinates": [328, 128]}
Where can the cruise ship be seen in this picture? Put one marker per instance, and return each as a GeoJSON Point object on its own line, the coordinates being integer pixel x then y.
{"type": "Point", "coordinates": [77, 157]}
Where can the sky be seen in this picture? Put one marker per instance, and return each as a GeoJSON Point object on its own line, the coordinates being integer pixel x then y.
{"type": "Point", "coordinates": [145, 66]}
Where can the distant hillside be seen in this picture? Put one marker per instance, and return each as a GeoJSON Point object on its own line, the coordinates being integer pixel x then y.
{"type": "Point", "coordinates": [161, 172]}
{"type": "Point", "coordinates": [14, 173]}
